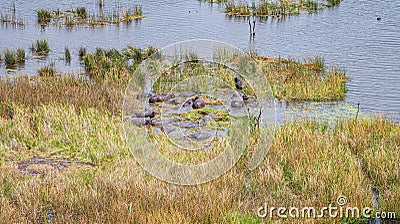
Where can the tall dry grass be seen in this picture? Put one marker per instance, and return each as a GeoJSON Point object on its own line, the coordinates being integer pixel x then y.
{"type": "Point", "coordinates": [308, 164]}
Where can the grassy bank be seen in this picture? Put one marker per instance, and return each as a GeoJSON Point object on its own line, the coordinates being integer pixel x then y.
{"type": "Point", "coordinates": [309, 79]}
{"type": "Point", "coordinates": [307, 165]}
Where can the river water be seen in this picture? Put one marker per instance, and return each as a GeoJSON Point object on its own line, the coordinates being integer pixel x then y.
{"type": "Point", "coordinates": [348, 35]}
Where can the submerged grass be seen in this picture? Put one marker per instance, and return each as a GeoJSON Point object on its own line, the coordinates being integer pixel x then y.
{"type": "Point", "coordinates": [12, 20]}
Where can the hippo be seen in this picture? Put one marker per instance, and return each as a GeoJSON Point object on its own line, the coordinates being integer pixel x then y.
{"type": "Point", "coordinates": [190, 124]}
{"type": "Point", "coordinates": [198, 103]}
{"type": "Point", "coordinates": [164, 122]}
{"type": "Point", "coordinates": [245, 97]}
{"type": "Point", "coordinates": [138, 121]}
{"type": "Point", "coordinates": [237, 104]}
{"type": "Point", "coordinates": [238, 83]}
{"type": "Point", "coordinates": [189, 94]}
{"type": "Point", "coordinates": [199, 136]}
{"type": "Point", "coordinates": [145, 113]}
{"type": "Point", "coordinates": [161, 98]}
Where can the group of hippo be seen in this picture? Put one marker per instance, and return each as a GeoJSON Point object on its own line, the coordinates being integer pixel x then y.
{"type": "Point", "coordinates": [144, 117]}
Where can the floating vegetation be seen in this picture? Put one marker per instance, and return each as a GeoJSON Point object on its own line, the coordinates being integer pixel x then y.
{"type": "Point", "coordinates": [67, 55]}
{"type": "Point", "coordinates": [80, 16]}
{"type": "Point", "coordinates": [277, 8]}
{"type": "Point", "coordinates": [13, 20]}
{"type": "Point", "coordinates": [13, 58]}
{"type": "Point", "coordinates": [41, 47]}
{"type": "Point", "coordinates": [222, 117]}
{"type": "Point", "coordinates": [132, 14]}
{"type": "Point", "coordinates": [47, 71]}
{"type": "Point", "coordinates": [43, 16]}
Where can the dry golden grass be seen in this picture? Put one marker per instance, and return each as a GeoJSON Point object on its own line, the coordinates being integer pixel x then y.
{"type": "Point", "coordinates": [377, 142]}
{"type": "Point", "coordinates": [307, 165]}
{"type": "Point", "coordinates": [70, 89]}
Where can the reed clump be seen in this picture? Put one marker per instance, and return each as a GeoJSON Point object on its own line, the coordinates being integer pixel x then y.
{"type": "Point", "coordinates": [80, 16]}
{"type": "Point", "coordinates": [13, 58]}
{"type": "Point", "coordinates": [11, 20]}
{"type": "Point", "coordinates": [43, 16]}
{"type": "Point", "coordinates": [277, 8]}
{"type": "Point", "coordinates": [82, 53]}
{"type": "Point", "coordinates": [47, 71]}
{"type": "Point", "coordinates": [132, 14]}
{"type": "Point", "coordinates": [67, 54]}
{"type": "Point", "coordinates": [41, 47]}
{"type": "Point", "coordinates": [113, 64]}
{"type": "Point", "coordinates": [80, 12]}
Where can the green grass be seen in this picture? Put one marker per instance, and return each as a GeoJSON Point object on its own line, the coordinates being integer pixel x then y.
{"type": "Point", "coordinates": [81, 12]}
{"type": "Point", "coordinates": [67, 54]}
{"type": "Point", "coordinates": [10, 57]}
{"type": "Point", "coordinates": [14, 57]}
{"type": "Point", "coordinates": [310, 79]}
{"type": "Point", "coordinates": [82, 53]}
{"type": "Point", "coordinates": [43, 16]}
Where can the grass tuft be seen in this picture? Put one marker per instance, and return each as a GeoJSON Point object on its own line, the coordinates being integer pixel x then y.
{"type": "Point", "coordinates": [67, 54]}
{"type": "Point", "coordinates": [47, 71]}
{"type": "Point", "coordinates": [43, 16]}
{"type": "Point", "coordinates": [41, 47]}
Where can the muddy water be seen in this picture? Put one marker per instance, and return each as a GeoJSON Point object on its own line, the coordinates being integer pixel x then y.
{"type": "Point", "coordinates": [349, 35]}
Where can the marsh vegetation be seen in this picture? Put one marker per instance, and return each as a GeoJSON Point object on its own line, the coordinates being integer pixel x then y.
{"type": "Point", "coordinates": [266, 8]}
{"type": "Point", "coordinates": [80, 16]}
{"type": "Point", "coordinates": [76, 118]}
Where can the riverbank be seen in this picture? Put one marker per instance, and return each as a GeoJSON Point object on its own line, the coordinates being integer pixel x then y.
{"type": "Point", "coordinates": [64, 157]}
